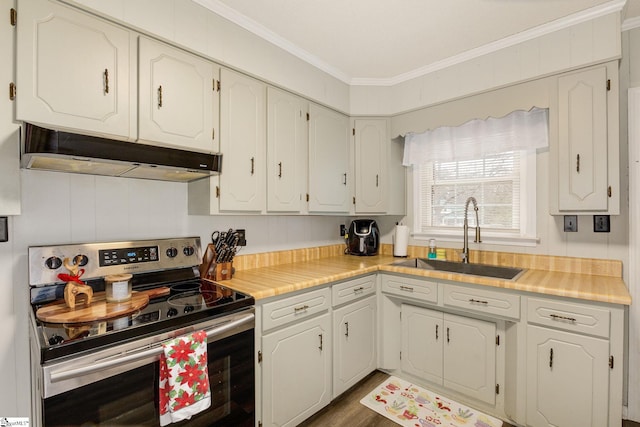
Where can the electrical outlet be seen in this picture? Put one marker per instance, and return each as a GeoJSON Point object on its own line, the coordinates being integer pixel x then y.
{"type": "Point", "coordinates": [242, 237]}
{"type": "Point", "coordinates": [570, 223]}
{"type": "Point", "coordinates": [601, 224]}
{"type": "Point", "coordinates": [343, 230]}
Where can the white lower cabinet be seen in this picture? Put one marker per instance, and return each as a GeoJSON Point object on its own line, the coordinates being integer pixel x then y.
{"type": "Point", "coordinates": [296, 357]}
{"type": "Point", "coordinates": [453, 351]}
{"type": "Point", "coordinates": [354, 338]}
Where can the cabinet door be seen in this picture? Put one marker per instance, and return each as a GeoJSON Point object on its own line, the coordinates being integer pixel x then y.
{"type": "Point", "coordinates": [242, 142]}
{"type": "Point", "coordinates": [567, 379]}
{"type": "Point", "coordinates": [470, 357]}
{"type": "Point", "coordinates": [582, 156]}
{"type": "Point", "coordinates": [422, 338]}
{"type": "Point", "coordinates": [177, 96]}
{"type": "Point", "coordinates": [286, 151]}
{"type": "Point", "coordinates": [296, 372]}
{"type": "Point", "coordinates": [371, 143]}
{"type": "Point", "coordinates": [329, 174]}
{"type": "Point", "coordinates": [73, 70]}
{"type": "Point", "coordinates": [354, 335]}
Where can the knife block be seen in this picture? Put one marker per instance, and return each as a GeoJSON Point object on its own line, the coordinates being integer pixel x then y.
{"type": "Point", "coordinates": [223, 271]}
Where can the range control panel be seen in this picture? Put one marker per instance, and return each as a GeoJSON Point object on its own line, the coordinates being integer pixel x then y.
{"type": "Point", "coordinates": [100, 259]}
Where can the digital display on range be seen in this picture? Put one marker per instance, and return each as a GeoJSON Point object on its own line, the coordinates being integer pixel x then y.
{"type": "Point", "coordinates": [127, 256]}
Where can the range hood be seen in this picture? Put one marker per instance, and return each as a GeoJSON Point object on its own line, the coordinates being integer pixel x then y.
{"type": "Point", "coordinates": [55, 150]}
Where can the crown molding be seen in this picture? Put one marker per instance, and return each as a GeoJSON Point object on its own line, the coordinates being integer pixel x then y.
{"type": "Point", "coordinates": [221, 9]}
{"type": "Point", "coordinates": [631, 23]}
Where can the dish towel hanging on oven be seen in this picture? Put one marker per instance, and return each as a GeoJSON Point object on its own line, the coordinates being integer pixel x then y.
{"type": "Point", "coordinates": [184, 379]}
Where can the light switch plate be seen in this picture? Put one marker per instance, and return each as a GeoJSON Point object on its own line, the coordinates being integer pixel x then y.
{"type": "Point", "coordinates": [570, 223]}
{"type": "Point", "coordinates": [4, 229]}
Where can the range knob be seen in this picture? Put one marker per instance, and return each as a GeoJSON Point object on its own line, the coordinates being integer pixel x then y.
{"type": "Point", "coordinates": [189, 308]}
{"type": "Point", "coordinates": [172, 252]}
{"type": "Point", "coordinates": [172, 312]}
{"type": "Point", "coordinates": [188, 250]}
{"type": "Point", "coordinates": [53, 263]}
{"type": "Point", "coordinates": [80, 260]}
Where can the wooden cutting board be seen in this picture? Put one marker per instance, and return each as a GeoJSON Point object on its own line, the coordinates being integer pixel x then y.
{"type": "Point", "coordinates": [100, 309]}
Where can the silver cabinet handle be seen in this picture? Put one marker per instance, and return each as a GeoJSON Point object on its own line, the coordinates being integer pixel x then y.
{"type": "Point", "coordinates": [344, 181]}
{"type": "Point", "coordinates": [320, 335]}
{"type": "Point", "coordinates": [280, 170]}
{"type": "Point", "coordinates": [437, 332]}
{"type": "Point", "coordinates": [406, 288]}
{"type": "Point", "coordinates": [302, 308]}
{"type": "Point", "coordinates": [153, 352]}
{"type": "Point", "coordinates": [346, 324]}
{"type": "Point", "coordinates": [578, 163]}
{"type": "Point", "coordinates": [477, 301]}
{"type": "Point", "coordinates": [160, 96]}
{"type": "Point", "coordinates": [356, 290]}
{"type": "Point", "coordinates": [551, 357]}
{"type": "Point", "coordinates": [447, 334]}
{"type": "Point", "coordinates": [253, 162]}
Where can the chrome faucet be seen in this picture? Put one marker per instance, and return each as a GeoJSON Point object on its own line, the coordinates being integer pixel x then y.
{"type": "Point", "coordinates": [465, 248]}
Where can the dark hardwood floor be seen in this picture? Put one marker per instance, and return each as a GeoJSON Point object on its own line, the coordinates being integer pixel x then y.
{"type": "Point", "coordinates": [347, 411]}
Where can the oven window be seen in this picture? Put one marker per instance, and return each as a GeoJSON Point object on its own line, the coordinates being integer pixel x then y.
{"type": "Point", "coordinates": [131, 398]}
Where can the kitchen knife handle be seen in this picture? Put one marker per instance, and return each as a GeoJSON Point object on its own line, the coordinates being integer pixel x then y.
{"type": "Point", "coordinates": [280, 170]}
{"type": "Point", "coordinates": [106, 81]}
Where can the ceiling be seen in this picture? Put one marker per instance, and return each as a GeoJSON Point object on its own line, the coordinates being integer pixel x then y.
{"type": "Point", "coordinates": [384, 42]}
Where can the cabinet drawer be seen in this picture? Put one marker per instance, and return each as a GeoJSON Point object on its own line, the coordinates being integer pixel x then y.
{"type": "Point", "coordinates": [482, 301]}
{"type": "Point", "coordinates": [353, 289]}
{"type": "Point", "coordinates": [295, 308]}
{"type": "Point", "coordinates": [570, 316]}
{"type": "Point", "coordinates": [421, 290]}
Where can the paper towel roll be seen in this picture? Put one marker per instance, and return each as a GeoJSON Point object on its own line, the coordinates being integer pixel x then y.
{"type": "Point", "coordinates": [401, 240]}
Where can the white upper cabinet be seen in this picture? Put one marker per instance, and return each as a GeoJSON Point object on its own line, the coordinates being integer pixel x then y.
{"type": "Point", "coordinates": [242, 142]}
{"type": "Point", "coordinates": [371, 159]}
{"type": "Point", "coordinates": [329, 172]}
{"type": "Point", "coordinates": [74, 71]}
{"type": "Point", "coordinates": [286, 151]}
{"type": "Point", "coordinates": [587, 155]}
{"type": "Point", "coordinates": [178, 102]}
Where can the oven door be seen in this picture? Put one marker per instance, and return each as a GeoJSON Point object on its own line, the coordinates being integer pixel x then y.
{"type": "Point", "coordinates": [126, 392]}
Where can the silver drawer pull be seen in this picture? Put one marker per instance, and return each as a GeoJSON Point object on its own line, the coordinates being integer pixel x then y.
{"type": "Point", "coordinates": [303, 308]}
{"type": "Point", "coordinates": [406, 288]}
{"type": "Point", "coordinates": [360, 289]}
{"type": "Point", "coordinates": [477, 301]}
{"type": "Point", "coordinates": [558, 317]}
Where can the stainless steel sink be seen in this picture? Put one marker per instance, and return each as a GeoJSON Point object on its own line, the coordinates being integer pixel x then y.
{"type": "Point", "coordinates": [508, 273]}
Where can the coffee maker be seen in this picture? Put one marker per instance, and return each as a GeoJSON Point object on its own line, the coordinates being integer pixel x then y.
{"type": "Point", "coordinates": [363, 237]}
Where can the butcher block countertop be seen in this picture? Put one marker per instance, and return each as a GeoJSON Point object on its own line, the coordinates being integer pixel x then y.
{"type": "Point", "coordinates": [278, 273]}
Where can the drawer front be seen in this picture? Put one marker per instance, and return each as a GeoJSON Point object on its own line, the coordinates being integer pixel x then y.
{"type": "Point", "coordinates": [295, 308]}
{"type": "Point", "coordinates": [422, 290]}
{"type": "Point", "coordinates": [353, 289]}
{"type": "Point", "coordinates": [569, 316]}
{"type": "Point", "coordinates": [482, 301]}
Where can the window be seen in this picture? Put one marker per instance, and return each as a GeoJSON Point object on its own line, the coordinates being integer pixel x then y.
{"type": "Point", "coordinates": [452, 164]}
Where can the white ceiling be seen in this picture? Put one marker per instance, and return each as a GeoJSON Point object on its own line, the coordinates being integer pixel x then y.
{"type": "Point", "coordinates": [385, 42]}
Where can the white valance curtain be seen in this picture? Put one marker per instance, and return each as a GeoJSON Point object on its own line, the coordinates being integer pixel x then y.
{"type": "Point", "coordinates": [476, 139]}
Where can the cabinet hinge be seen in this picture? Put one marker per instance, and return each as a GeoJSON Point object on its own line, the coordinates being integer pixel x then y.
{"type": "Point", "coordinates": [354, 131]}
{"type": "Point", "coordinates": [608, 84]}
{"type": "Point", "coordinates": [259, 423]}
{"type": "Point", "coordinates": [497, 388]}
{"type": "Point", "coordinates": [217, 191]}
{"type": "Point", "coordinates": [307, 116]}
{"type": "Point", "coordinates": [259, 356]}
{"type": "Point", "coordinates": [611, 362]}
{"type": "Point", "coordinates": [497, 339]}
{"type": "Point", "coordinates": [12, 91]}
{"type": "Point", "coordinates": [13, 17]}
{"type": "Point", "coordinates": [609, 191]}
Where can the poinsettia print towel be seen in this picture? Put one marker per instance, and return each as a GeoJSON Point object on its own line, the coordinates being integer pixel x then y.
{"type": "Point", "coordinates": [184, 379]}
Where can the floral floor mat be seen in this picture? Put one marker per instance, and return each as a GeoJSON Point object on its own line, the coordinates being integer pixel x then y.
{"type": "Point", "coordinates": [413, 406]}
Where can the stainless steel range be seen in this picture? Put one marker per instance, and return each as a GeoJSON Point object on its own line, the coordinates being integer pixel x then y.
{"type": "Point", "coordinates": [103, 370]}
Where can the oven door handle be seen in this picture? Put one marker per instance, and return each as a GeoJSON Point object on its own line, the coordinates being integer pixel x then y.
{"type": "Point", "coordinates": [153, 352]}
